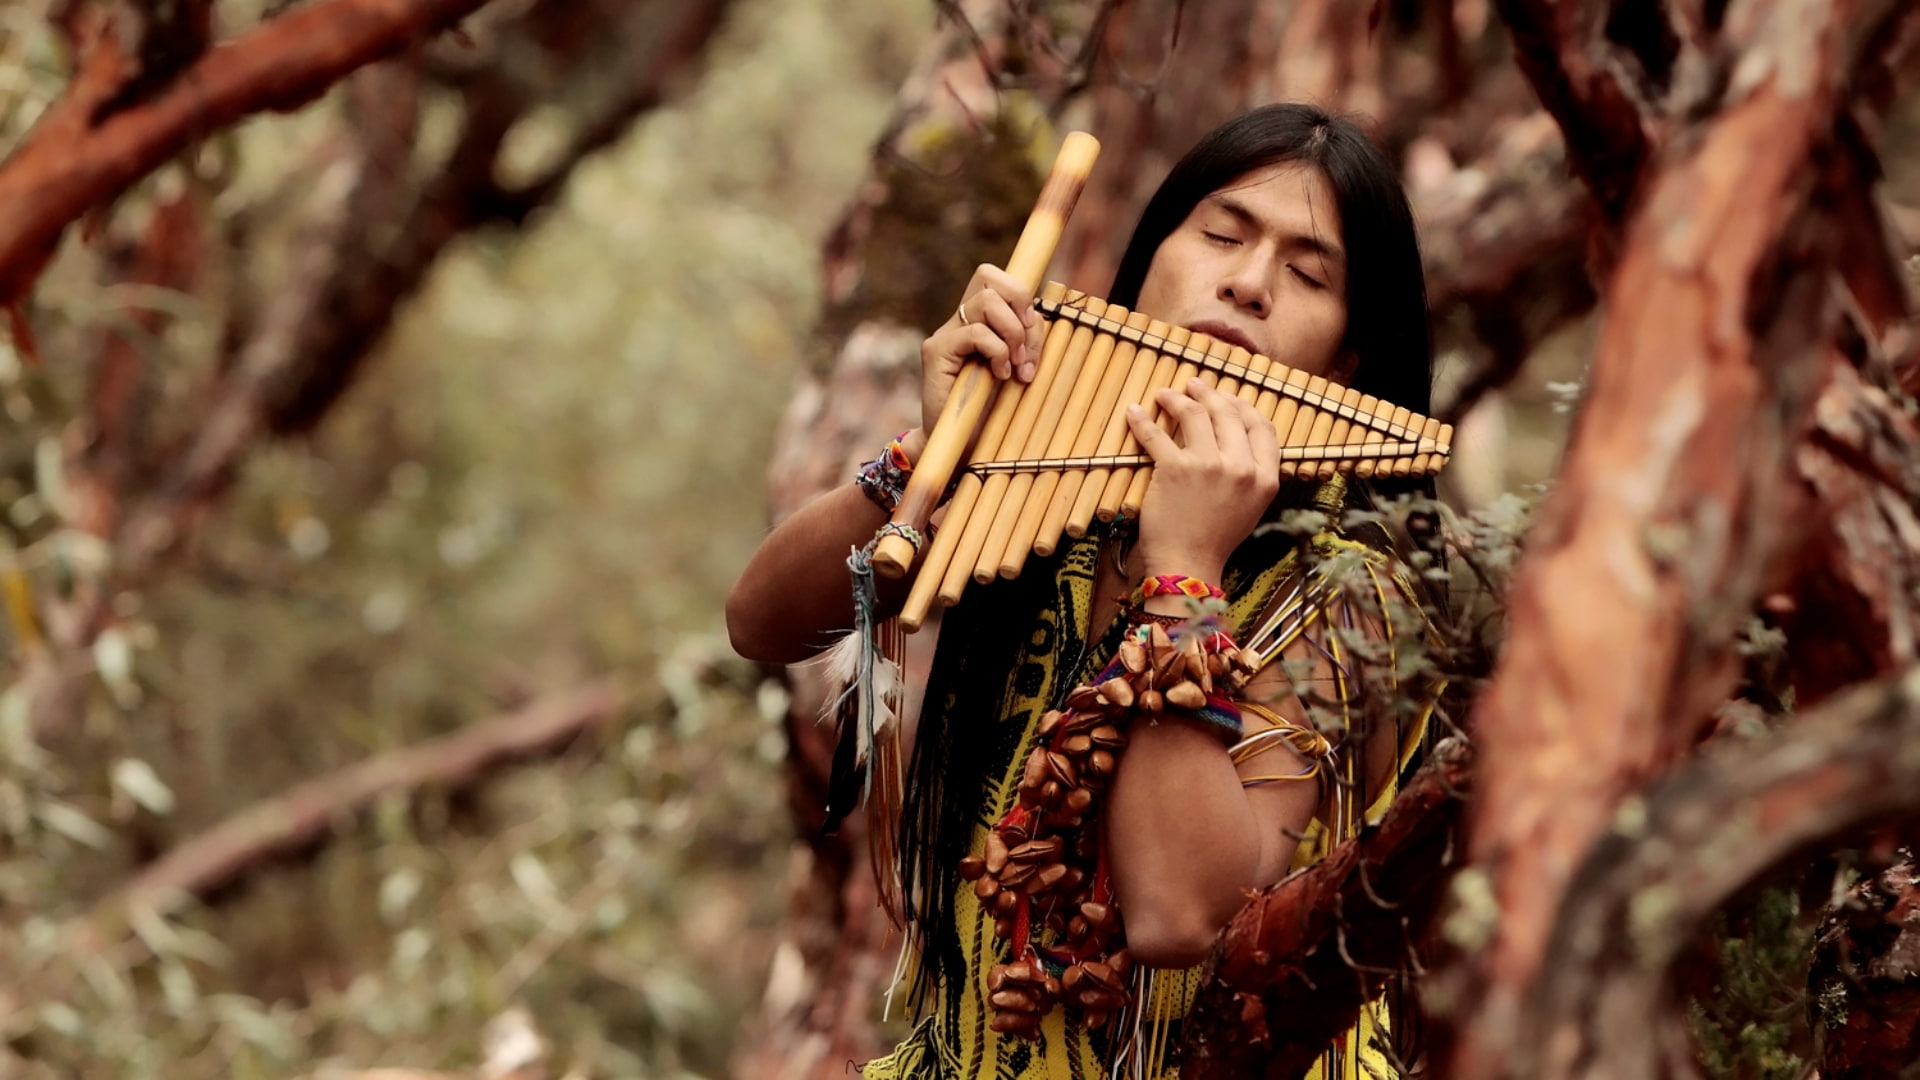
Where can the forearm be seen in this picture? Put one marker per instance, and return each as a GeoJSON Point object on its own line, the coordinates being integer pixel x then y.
{"type": "Point", "coordinates": [1184, 840]}
{"type": "Point", "coordinates": [794, 594]}
{"type": "Point", "coordinates": [1188, 839]}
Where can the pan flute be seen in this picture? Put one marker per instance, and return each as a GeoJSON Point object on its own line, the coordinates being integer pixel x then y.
{"type": "Point", "coordinates": [1055, 454]}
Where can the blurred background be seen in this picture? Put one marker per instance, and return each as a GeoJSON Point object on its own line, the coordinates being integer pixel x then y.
{"type": "Point", "coordinates": [373, 473]}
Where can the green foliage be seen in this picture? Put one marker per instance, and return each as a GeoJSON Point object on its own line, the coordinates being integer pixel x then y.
{"type": "Point", "coordinates": [1749, 1021]}
{"type": "Point", "coordinates": [550, 473]}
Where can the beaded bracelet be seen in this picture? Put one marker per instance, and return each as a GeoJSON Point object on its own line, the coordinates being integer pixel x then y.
{"type": "Point", "coordinates": [884, 479]}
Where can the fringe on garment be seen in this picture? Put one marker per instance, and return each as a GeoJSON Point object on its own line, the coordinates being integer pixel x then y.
{"type": "Point", "coordinates": [866, 696]}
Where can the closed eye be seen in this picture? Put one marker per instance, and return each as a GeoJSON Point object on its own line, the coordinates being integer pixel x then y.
{"type": "Point", "coordinates": [1218, 238]}
{"type": "Point", "coordinates": [1311, 281]}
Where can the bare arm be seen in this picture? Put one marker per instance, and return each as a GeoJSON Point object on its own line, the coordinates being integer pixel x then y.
{"type": "Point", "coordinates": [794, 595]}
{"type": "Point", "coordinates": [1187, 840]}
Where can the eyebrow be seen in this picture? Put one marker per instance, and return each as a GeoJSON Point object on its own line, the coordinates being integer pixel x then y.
{"type": "Point", "coordinates": [1242, 213]}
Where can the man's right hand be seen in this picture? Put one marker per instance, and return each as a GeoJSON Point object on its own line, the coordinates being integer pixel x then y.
{"type": "Point", "coordinates": [995, 321]}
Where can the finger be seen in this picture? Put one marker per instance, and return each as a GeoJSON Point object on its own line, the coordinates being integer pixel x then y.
{"type": "Point", "coordinates": [1196, 429]}
{"type": "Point", "coordinates": [1229, 427]}
{"type": "Point", "coordinates": [1010, 289]}
{"type": "Point", "coordinates": [1158, 444]}
{"type": "Point", "coordinates": [996, 313]}
{"type": "Point", "coordinates": [1263, 443]}
{"type": "Point", "coordinates": [954, 346]}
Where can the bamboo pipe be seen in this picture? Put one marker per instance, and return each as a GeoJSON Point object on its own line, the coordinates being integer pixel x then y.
{"type": "Point", "coordinates": [975, 386]}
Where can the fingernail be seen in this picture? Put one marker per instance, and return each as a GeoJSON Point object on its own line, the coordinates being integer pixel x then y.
{"type": "Point", "coordinates": [1026, 372]}
{"type": "Point", "coordinates": [1134, 410]}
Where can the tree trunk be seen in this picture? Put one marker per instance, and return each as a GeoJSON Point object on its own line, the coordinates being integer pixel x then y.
{"type": "Point", "coordinates": [1665, 528]}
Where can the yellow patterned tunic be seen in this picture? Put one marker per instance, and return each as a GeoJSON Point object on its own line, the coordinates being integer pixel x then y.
{"type": "Point", "coordinates": [951, 1039]}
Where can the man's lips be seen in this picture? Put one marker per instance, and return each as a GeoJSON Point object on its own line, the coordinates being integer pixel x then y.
{"type": "Point", "coordinates": [1222, 332]}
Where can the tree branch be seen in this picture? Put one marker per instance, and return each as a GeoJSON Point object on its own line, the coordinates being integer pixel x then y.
{"type": "Point", "coordinates": [63, 169]}
{"type": "Point", "coordinates": [1664, 528]}
{"type": "Point", "coordinates": [1697, 837]}
{"type": "Point", "coordinates": [283, 823]}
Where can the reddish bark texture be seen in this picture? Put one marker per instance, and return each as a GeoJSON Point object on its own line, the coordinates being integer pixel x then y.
{"type": "Point", "coordinates": [1665, 526]}
{"type": "Point", "coordinates": [1866, 978]}
{"type": "Point", "coordinates": [75, 159]}
{"type": "Point", "coordinates": [1605, 1002]}
{"type": "Point", "coordinates": [375, 227]}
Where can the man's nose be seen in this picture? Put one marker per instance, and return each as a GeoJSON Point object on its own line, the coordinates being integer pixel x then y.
{"type": "Point", "coordinates": [1247, 287]}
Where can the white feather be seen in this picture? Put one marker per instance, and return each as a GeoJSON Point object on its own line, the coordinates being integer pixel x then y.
{"type": "Point", "coordinates": [840, 671]}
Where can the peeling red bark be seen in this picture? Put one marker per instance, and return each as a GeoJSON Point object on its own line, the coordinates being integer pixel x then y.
{"type": "Point", "coordinates": [69, 164]}
{"type": "Point", "coordinates": [1606, 999]}
{"type": "Point", "coordinates": [1666, 524]}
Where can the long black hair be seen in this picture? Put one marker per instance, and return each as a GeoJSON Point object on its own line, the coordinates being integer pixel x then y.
{"type": "Point", "coordinates": [962, 740]}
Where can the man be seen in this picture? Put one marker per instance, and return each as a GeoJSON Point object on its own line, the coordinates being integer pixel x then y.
{"type": "Point", "coordinates": [1285, 232]}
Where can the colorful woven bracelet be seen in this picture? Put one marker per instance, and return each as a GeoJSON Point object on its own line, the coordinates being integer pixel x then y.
{"type": "Point", "coordinates": [884, 479]}
{"type": "Point", "coordinates": [1178, 584]}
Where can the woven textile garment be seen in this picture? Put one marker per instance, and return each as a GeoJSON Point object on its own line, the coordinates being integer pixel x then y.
{"type": "Point", "coordinates": [951, 1039]}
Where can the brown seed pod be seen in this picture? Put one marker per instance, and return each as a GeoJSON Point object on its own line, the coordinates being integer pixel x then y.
{"type": "Point", "coordinates": [1133, 656]}
{"type": "Point", "coordinates": [1047, 878]}
{"type": "Point", "coordinates": [1117, 691]}
{"type": "Point", "coordinates": [1069, 979]}
{"type": "Point", "coordinates": [1035, 771]}
{"type": "Point", "coordinates": [1100, 763]}
{"type": "Point", "coordinates": [972, 867]}
{"type": "Point", "coordinates": [1102, 976]}
{"type": "Point", "coordinates": [1051, 793]}
{"type": "Point", "coordinates": [1247, 660]}
{"type": "Point", "coordinates": [1196, 664]}
{"type": "Point", "coordinates": [1049, 723]}
{"type": "Point", "coordinates": [1076, 877]}
{"type": "Point", "coordinates": [1060, 769]}
{"type": "Point", "coordinates": [1157, 639]}
{"type": "Point", "coordinates": [1082, 697]}
{"type": "Point", "coordinates": [1106, 737]}
{"type": "Point", "coordinates": [1121, 962]}
{"type": "Point", "coordinates": [1042, 851]}
{"type": "Point", "coordinates": [1098, 915]}
{"type": "Point", "coordinates": [1078, 800]}
{"type": "Point", "coordinates": [1007, 902]}
{"type": "Point", "coordinates": [1015, 874]}
{"type": "Point", "coordinates": [1077, 927]}
{"type": "Point", "coordinates": [1003, 927]}
{"type": "Point", "coordinates": [996, 858]}
{"type": "Point", "coordinates": [1153, 702]}
{"type": "Point", "coordinates": [1186, 695]}
{"type": "Point", "coordinates": [986, 887]}
{"type": "Point", "coordinates": [1076, 745]}
{"type": "Point", "coordinates": [1024, 1025]}
{"type": "Point", "coordinates": [1017, 1000]}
